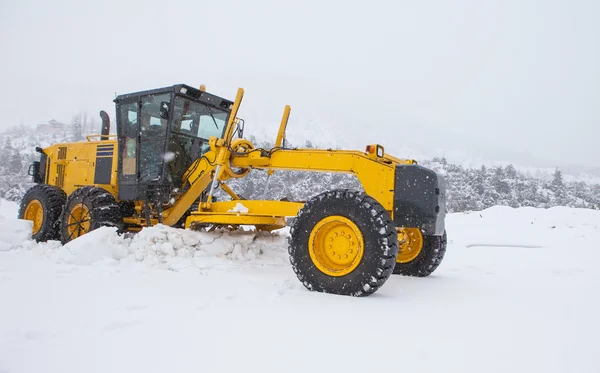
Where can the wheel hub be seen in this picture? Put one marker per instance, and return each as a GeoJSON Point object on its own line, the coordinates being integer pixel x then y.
{"type": "Point", "coordinates": [35, 212]}
{"type": "Point", "coordinates": [336, 246]}
{"type": "Point", "coordinates": [78, 222]}
{"type": "Point", "coordinates": [411, 243]}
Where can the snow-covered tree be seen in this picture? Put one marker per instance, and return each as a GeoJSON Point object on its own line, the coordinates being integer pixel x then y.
{"type": "Point", "coordinates": [15, 163]}
{"type": "Point", "coordinates": [76, 129]}
{"type": "Point", "coordinates": [468, 189]}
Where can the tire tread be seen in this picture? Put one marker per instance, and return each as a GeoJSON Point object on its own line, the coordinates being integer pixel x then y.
{"type": "Point", "coordinates": [53, 200]}
{"type": "Point", "coordinates": [104, 209]}
{"type": "Point", "coordinates": [382, 232]}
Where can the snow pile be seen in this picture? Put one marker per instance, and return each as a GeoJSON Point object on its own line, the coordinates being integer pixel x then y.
{"type": "Point", "coordinates": [162, 245]}
{"type": "Point", "coordinates": [13, 232]}
{"type": "Point", "coordinates": [158, 246]}
{"type": "Point", "coordinates": [169, 248]}
{"type": "Point", "coordinates": [99, 245]}
{"type": "Point", "coordinates": [239, 208]}
{"type": "Point", "coordinates": [8, 209]}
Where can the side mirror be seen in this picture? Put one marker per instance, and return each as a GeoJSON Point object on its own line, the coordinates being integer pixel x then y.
{"type": "Point", "coordinates": [164, 109]}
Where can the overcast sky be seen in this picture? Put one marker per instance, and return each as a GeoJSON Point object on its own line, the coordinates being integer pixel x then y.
{"type": "Point", "coordinates": [510, 80]}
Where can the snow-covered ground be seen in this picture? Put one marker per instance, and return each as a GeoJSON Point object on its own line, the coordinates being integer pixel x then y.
{"type": "Point", "coordinates": [517, 292]}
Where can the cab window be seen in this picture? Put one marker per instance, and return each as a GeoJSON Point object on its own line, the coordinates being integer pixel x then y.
{"type": "Point", "coordinates": [128, 121]}
{"type": "Point", "coordinates": [198, 120]}
{"type": "Point", "coordinates": [154, 115]}
{"type": "Point", "coordinates": [212, 125]}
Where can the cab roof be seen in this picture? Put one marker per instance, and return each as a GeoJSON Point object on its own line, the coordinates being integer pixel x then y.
{"type": "Point", "coordinates": [182, 90]}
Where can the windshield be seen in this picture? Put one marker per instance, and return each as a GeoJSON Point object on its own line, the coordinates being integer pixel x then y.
{"type": "Point", "coordinates": [198, 120]}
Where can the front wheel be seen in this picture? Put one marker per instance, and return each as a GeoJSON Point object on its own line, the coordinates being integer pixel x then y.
{"type": "Point", "coordinates": [343, 242]}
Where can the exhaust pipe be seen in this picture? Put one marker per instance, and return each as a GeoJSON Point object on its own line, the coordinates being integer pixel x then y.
{"type": "Point", "coordinates": [105, 125]}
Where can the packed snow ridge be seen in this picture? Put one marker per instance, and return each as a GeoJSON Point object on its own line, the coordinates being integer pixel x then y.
{"type": "Point", "coordinates": [165, 247]}
{"type": "Point", "coordinates": [158, 246]}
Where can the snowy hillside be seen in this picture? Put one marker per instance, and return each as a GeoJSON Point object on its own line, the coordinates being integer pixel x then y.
{"type": "Point", "coordinates": [517, 291]}
{"type": "Point", "coordinates": [469, 189]}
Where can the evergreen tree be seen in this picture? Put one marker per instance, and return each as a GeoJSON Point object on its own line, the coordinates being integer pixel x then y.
{"type": "Point", "coordinates": [15, 163]}
{"type": "Point", "coordinates": [511, 172]}
{"type": "Point", "coordinates": [479, 181]}
{"type": "Point", "coordinates": [557, 181]}
{"type": "Point", "coordinates": [558, 187]}
{"type": "Point", "coordinates": [5, 154]}
{"type": "Point", "coordinates": [76, 129]}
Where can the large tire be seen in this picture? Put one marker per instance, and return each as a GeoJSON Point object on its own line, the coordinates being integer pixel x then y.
{"type": "Point", "coordinates": [89, 208]}
{"type": "Point", "coordinates": [429, 259]}
{"type": "Point", "coordinates": [362, 222]}
{"type": "Point", "coordinates": [43, 205]}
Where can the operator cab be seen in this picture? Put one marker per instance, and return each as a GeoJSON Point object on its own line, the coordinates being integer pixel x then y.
{"type": "Point", "coordinates": [160, 133]}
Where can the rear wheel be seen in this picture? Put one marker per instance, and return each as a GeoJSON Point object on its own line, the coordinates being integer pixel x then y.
{"type": "Point", "coordinates": [343, 242]}
{"type": "Point", "coordinates": [419, 255]}
{"type": "Point", "coordinates": [42, 204]}
{"type": "Point", "coordinates": [87, 209]}
{"type": "Point", "coordinates": [410, 242]}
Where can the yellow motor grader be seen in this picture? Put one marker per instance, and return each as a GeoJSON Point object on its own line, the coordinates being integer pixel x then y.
{"type": "Point", "coordinates": [176, 146]}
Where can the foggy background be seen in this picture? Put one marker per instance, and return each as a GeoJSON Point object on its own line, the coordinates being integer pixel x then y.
{"type": "Point", "coordinates": [516, 81]}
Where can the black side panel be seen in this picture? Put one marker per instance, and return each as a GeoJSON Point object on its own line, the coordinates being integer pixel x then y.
{"type": "Point", "coordinates": [419, 199]}
{"type": "Point", "coordinates": [103, 170]}
{"type": "Point", "coordinates": [41, 174]}
{"type": "Point", "coordinates": [128, 192]}
{"type": "Point", "coordinates": [34, 170]}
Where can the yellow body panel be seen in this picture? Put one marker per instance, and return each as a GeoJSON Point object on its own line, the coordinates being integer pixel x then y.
{"type": "Point", "coordinates": [72, 165]}
{"type": "Point", "coordinates": [376, 176]}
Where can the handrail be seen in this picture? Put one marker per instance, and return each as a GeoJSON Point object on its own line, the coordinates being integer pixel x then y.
{"type": "Point", "coordinates": [99, 135]}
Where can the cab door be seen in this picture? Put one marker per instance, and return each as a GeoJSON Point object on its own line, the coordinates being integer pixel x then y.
{"type": "Point", "coordinates": [128, 135]}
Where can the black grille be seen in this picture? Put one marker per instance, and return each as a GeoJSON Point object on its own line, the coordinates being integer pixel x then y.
{"type": "Point", "coordinates": [62, 152]}
{"type": "Point", "coordinates": [60, 178]}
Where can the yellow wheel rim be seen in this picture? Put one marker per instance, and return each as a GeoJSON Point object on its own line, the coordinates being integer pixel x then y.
{"type": "Point", "coordinates": [412, 239]}
{"type": "Point", "coordinates": [35, 212]}
{"type": "Point", "coordinates": [78, 222]}
{"type": "Point", "coordinates": [336, 246]}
